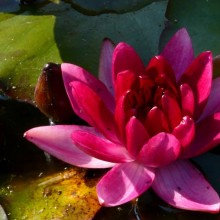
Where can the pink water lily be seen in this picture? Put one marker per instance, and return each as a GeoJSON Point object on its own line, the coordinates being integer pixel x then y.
{"type": "Point", "coordinates": [145, 124]}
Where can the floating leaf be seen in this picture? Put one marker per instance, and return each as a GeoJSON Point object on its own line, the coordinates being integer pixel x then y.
{"type": "Point", "coordinates": [98, 7]}
{"type": "Point", "coordinates": [48, 32]}
{"type": "Point", "coordinates": [65, 195]}
{"type": "Point", "coordinates": [201, 18]}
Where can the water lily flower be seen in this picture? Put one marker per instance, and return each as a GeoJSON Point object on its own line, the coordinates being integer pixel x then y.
{"type": "Point", "coordinates": [145, 124]}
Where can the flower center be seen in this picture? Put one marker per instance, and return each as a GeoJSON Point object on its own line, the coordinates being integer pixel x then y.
{"type": "Point", "coordinates": [149, 91]}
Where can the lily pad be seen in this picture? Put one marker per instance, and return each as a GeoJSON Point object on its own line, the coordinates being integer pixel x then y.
{"type": "Point", "coordinates": [50, 32]}
{"type": "Point", "coordinates": [201, 18]}
{"type": "Point", "coordinates": [65, 195]}
{"type": "Point", "coordinates": [95, 7]}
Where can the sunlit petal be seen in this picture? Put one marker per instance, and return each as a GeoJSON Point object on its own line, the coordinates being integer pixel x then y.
{"type": "Point", "coordinates": [123, 183]}
{"type": "Point", "coordinates": [207, 136]}
{"type": "Point", "coordinates": [71, 73]}
{"type": "Point", "coordinates": [199, 77]}
{"type": "Point", "coordinates": [136, 136]}
{"type": "Point", "coordinates": [185, 131]}
{"type": "Point", "coordinates": [126, 58]}
{"type": "Point", "coordinates": [56, 140]}
{"type": "Point", "coordinates": [160, 150]}
{"type": "Point", "coordinates": [100, 147]}
{"type": "Point", "coordinates": [95, 110]}
{"type": "Point", "coordinates": [183, 186]}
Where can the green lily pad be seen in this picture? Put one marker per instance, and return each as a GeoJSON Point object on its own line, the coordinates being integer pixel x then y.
{"type": "Point", "coordinates": [64, 195]}
{"type": "Point", "coordinates": [201, 18]}
{"type": "Point", "coordinates": [49, 32]}
{"type": "Point", "coordinates": [97, 7]}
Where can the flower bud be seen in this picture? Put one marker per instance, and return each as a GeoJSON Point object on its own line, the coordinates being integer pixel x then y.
{"type": "Point", "coordinates": [50, 95]}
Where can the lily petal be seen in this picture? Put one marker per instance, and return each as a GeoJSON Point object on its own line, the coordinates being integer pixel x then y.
{"type": "Point", "coordinates": [156, 121]}
{"type": "Point", "coordinates": [199, 77]}
{"type": "Point", "coordinates": [153, 152]}
{"type": "Point", "coordinates": [179, 52]}
{"type": "Point", "coordinates": [213, 104]}
{"type": "Point", "coordinates": [95, 110]}
{"type": "Point", "coordinates": [123, 183]}
{"type": "Point", "coordinates": [187, 100]}
{"type": "Point", "coordinates": [171, 109]}
{"type": "Point", "coordinates": [100, 147]}
{"type": "Point", "coordinates": [161, 71]}
{"type": "Point", "coordinates": [185, 131]}
{"type": "Point", "coordinates": [105, 64]}
{"type": "Point", "coordinates": [125, 81]}
{"type": "Point", "coordinates": [183, 186]}
{"type": "Point", "coordinates": [56, 140]}
{"type": "Point", "coordinates": [71, 73]}
{"type": "Point", "coordinates": [126, 58]}
{"type": "Point", "coordinates": [203, 140]}
{"type": "Point", "coordinates": [136, 136]}
{"type": "Point", "coordinates": [123, 112]}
